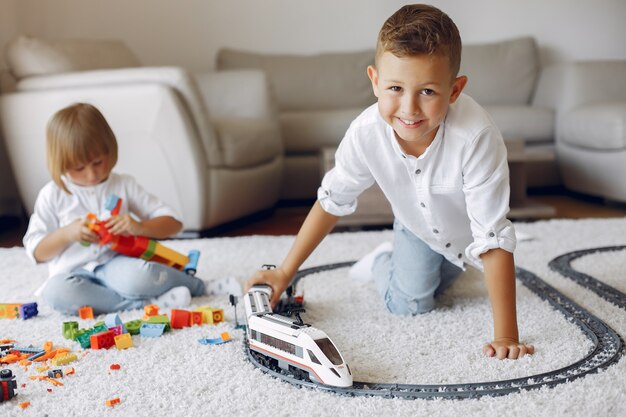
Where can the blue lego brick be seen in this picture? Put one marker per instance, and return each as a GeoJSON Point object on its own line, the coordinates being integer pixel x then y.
{"type": "Point", "coordinates": [28, 310]}
{"type": "Point", "coordinates": [112, 320]}
{"type": "Point", "coordinates": [152, 329]}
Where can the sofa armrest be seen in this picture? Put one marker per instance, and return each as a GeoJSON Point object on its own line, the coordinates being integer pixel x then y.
{"type": "Point", "coordinates": [563, 87]}
{"type": "Point", "coordinates": [157, 140]}
{"type": "Point", "coordinates": [236, 93]}
{"type": "Point", "coordinates": [175, 78]}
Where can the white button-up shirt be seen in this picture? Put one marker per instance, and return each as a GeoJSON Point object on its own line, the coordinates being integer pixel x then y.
{"type": "Point", "coordinates": [54, 208]}
{"type": "Point", "coordinates": [455, 196]}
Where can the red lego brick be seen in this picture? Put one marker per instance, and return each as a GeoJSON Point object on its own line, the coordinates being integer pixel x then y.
{"type": "Point", "coordinates": [195, 317]}
{"type": "Point", "coordinates": [180, 319]}
{"type": "Point", "coordinates": [102, 340]}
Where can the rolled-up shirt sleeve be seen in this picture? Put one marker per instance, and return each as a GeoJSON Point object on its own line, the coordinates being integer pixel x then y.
{"type": "Point", "coordinates": [486, 188]}
{"type": "Point", "coordinates": [347, 180]}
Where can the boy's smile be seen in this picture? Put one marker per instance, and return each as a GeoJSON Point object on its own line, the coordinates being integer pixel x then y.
{"type": "Point", "coordinates": [414, 94]}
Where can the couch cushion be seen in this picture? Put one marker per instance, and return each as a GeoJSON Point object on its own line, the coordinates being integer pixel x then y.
{"type": "Point", "coordinates": [310, 82]}
{"type": "Point", "coordinates": [309, 131]}
{"type": "Point", "coordinates": [28, 56]}
{"type": "Point", "coordinates": [247, 142]}
{"type": "Point", "coordinates": [502, 72]}
{"type": "Point", "coordinates": [533, 124]}
{"type": "Point", "coordinates": [599, 126]}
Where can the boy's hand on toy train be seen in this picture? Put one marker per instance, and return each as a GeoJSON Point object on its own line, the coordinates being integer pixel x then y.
{"type": "Point", "coordinates": [77, 231]}
{"type": "Point", "coordinates": [275, 278]}
{"type": "Point", "coordinates": [507, 349]}
{"type": "Point", "coordinates": [123, 225]}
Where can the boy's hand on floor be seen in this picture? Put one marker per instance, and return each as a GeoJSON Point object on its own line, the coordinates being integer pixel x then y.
{"type": "Point", "coordinates": [275, 278]}
{"type": "Point", "coordinates": [507, 349]}
{"type": "Point", "coordinates": [123, 225]}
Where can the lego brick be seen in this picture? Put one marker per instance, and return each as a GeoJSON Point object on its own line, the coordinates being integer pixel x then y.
{"type": "Point", "coordinates": [179, 318]}
{"type": "Point", "coordinates": [133, 326]}
{"type": "Point", "coordinates": [211, 315]}
{"type": "Point", "coordinates": [70, 329]}
{"type": "Point", "coordinates": [9, 311]}
{"type": "Point", "coordinates": [63, 359]}
{"type": "Point", "coordinates": [28, 310]}
{"type": "Point", "coordinates": [85, 312]}
{"type": "Point", "coordinates": [196, 318]}
{"type": "Point", "coordinates": [55, 373]}
{"type": "Point", "coordinates": [150, 310]}
{"type": "Point", "coordinates": [112, 320]}
{"type": "Point", "coordinates": [152, 330]}
{"type": "Point", "coordinates": [160, 320]}
{"type": "Point", "coordinates": [123, 341]}
{"type": "Point", "coordinates": [102, 340]}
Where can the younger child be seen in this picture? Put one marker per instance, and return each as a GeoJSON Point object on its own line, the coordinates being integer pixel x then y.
{"type": "Point", "coordinates": [441, 161]}
{"type": "Point", "coordinates": [81, 153]}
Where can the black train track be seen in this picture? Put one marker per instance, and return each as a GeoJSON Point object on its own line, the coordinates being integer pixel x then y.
{"type": "Point", "coordinates": [608, 346]}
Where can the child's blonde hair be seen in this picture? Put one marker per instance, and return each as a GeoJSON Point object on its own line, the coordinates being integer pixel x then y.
{"type": "Point", "coordinates": [418, 29]}
{"type": "Point", "coordinates": [76, 135]}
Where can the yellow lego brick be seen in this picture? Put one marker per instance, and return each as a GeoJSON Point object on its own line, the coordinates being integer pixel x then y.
{"type": "Point", "coordinates": [170, 257]}
{"type": "Point", "coordinates": [63, 359]}
{"type": "Point", "coordinates": [9, 311]}
{"type": "Point", "coordinates": [211, 315]}
{"type": "Point", "coordinates": [123, 341]}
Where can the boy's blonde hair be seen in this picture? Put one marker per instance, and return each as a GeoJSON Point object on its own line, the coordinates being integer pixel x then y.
{"type": "Point", "coordinates": [418, 29]}
{"type": "Point", "coordinates": [76, 135]}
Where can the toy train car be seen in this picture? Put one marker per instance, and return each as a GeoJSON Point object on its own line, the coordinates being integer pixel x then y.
{"type": "Point", "coordinates": [291, 345]}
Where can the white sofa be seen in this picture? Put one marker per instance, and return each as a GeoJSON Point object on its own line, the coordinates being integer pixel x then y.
{"type": "Point", "coordinates": [319, 95]}
{"type": "Point", "coordinates": [208, 144]}
{"type": "Point", "coordinates": [590, 99]}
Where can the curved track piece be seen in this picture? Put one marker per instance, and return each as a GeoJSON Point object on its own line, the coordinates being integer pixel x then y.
{"type": "Point", "coordinates": [563, 265]}
{"type": "Point", "coordinates": [607, 350]}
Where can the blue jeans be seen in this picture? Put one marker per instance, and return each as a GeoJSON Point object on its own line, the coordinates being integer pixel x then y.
{"type": "Point", "coordinates": [411, 275]}
{"type": "Point", "coordinates": [123, 283]}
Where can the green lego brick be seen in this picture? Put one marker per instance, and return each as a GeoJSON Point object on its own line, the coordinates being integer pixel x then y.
{"type": "Point", "coordinates": [159, 320]}
{"type": "Point", "coordinates": [133, 326]}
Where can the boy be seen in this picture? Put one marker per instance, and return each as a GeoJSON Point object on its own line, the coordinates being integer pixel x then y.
{"type": "Point", "coordinates": [440, 161]}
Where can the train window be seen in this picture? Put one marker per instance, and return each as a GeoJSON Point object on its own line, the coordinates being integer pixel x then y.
{"type": "Point", "coordinates": [279, 344]}
{"type": "Point", "coordinates": [313, 358]}
{"type": "Point", "coordinates": [329, 350]}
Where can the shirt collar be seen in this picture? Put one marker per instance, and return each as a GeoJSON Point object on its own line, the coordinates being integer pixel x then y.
{"type": "Point", "coordinates": [431, 148]}
{"type": "Point", "coordinates": [75, 188]}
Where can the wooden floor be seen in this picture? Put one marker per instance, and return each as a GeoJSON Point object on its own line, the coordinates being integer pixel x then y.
{"type": "Point", "coordinates": [286, 219]}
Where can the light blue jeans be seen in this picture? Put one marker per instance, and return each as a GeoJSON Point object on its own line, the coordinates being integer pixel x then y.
{"type": "Point", "coordinates": [411, 275]}
{"type": "Point", "coordinates": [123, 283]}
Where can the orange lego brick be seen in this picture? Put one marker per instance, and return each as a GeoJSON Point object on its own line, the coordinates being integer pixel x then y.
{"type": "Point", "coordinates": [24, 405]}
{"type": "Point", "coordinates": [195, 317]}
{"type": "Point", "coordinates": [85, 312]}
{"type": "Point", "coordinates": [179, 318]}
{"type": "Point", "coordinates": [225, 336]}
{"type": "Point", "coordinates": [112, 402]}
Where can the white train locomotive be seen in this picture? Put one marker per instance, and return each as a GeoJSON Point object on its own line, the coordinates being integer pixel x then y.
{"type": "Point", "coordinates": [295, 347]}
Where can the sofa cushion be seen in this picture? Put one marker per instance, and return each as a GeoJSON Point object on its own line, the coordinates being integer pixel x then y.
{"type": "Point", "coordinates": [309, 131]}
{"type": "Point", "coordinates": [247, 142]}
{"type": "Point", "coordinates": [310, 82]}
{"type": "Point", "coordinates": [599, 126]}
{"type": "Point", "coordinates": [502, 72]}
{"type": "Point", "coordinates": [532, 124]}
{"type": "Point", "coordinates": [29, 56]}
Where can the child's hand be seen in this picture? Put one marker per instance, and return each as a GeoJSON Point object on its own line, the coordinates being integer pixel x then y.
{"type": "Point", "coordinates": [507, 349]}
{"type": "Point", "coordinates": [123, 225]}
{"type": "Point", "coordinates": [275, 278]}
{"type": "Point", "coordinates": [77, 231]}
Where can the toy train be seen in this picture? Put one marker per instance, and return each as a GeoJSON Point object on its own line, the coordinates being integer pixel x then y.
{"type": "Point", "coordinates": [290, 344]}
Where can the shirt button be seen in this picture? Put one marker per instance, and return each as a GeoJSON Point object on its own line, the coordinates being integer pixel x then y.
{"type": "Point", "coordinates": [326, 192]}
{"type": "Point", "coordinates": [422, 205]}
{"type": "Point", "coordinates": [418, 171]}
{"type": "Point", "coordinates": [448, 245]}
{"type": "Point", "coordinates": [460, 255]}
{"type": "Point", "coordinates": [435, 231]}
{"type": "Point", "coordinates": [491, 234]}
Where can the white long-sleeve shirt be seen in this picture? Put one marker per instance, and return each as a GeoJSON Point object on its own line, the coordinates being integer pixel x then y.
{"type": "Point", "coordinates": [455, 196]}
{"type": "Point", "coordinates": [54, 208]}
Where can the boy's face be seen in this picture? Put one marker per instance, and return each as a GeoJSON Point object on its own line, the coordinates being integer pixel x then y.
{"type": "Point", "coordinates": [91, 173]}
{"type": "Point", "coordinates": [414, 94]}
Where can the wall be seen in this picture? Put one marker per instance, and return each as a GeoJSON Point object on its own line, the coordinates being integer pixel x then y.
{"type": "Point", "coordinates": [189, 32]}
